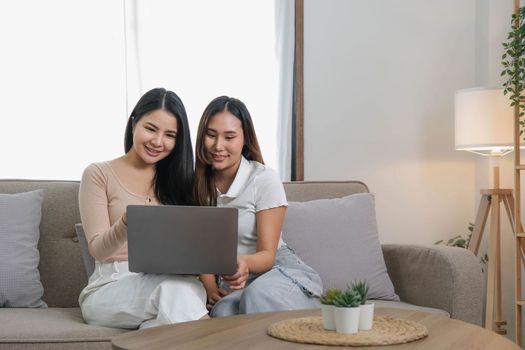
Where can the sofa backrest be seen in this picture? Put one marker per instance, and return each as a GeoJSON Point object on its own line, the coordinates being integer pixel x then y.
{"type": "Point", "coordinates": [301, 191]}
{"type": "Point", "coordinates": [61, 268]}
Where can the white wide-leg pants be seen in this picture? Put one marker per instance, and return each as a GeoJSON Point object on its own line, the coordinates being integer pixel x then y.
{"type": "Point", "coordinates": [116, 297]}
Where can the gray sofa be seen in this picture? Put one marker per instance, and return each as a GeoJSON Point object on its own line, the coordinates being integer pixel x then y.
{"type": "Point", "coordinates": [434, 278]}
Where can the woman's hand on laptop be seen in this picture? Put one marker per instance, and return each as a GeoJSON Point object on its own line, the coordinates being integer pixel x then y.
{"type": "Point", "coordinates": [213, 296]}
{"type": "Point", "coordinates": [238, 280]}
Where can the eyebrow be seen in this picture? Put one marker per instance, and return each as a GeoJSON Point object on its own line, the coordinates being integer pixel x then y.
{"type": "Point", "coordinates": [229, 132]}
{"type": "Point", "coordinates": [151, 124]}
{"type": "Point", "coordinates": [156, 128]}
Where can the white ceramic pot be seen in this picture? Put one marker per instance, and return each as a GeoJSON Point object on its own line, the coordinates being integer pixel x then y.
{"type": "Point", "coordinates": [328, 317]}
{"type": "Point", "coordinates": [346, 319]}
{"type": "Point", "coordinates": [366, 316]}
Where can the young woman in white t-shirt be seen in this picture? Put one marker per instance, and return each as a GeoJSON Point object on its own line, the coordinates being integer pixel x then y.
{"type": "Point", "coordinates": [230, 172]}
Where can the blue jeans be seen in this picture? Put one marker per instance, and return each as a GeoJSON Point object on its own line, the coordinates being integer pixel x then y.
{"type": "Point", "coordinates": [289, 285]}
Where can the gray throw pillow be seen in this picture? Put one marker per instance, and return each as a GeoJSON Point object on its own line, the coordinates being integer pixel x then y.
{"type": "Point", "coordinates": [87, 259]}
{"type": "Point", "coordinates": [339, 239]}
{"type": "Point", "coordinates": [20, 215]}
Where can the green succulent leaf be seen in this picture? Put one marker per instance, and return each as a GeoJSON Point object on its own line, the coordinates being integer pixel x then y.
{"type": "Point", "coordinates": [361, 287]}
{"type": "Point", "coordinates": [349, 298]}
{"type": "Point", "coordinates": [329, 296]}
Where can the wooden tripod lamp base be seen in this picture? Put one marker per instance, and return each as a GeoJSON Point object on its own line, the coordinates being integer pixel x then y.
{"type": "Point", "coordinates": [490, 201]}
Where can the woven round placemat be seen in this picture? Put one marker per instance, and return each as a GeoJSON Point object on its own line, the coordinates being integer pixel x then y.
{"type": "Point", "coordinates": [387, 330]}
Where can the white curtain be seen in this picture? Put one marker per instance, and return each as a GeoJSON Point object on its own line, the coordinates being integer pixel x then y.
{"type": "Point", "coordinates": [61, 87]}
{"type": "Point", "coordinates": [285, 47]}
{"type": "Point", "coordinates": [202, 49]}
{"type": "Point", "coordinates": [132, 54]}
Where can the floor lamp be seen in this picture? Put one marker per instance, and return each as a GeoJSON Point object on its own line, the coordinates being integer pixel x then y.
{"type": "Point", "coordinates": [484, 125]}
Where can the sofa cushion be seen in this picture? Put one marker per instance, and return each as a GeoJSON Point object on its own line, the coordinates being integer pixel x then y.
{"type": "Point", "coordinates": [20, 216]}
{"type": "Point", "coordinates": [50, 325]}
{"type": "Point", "coordinates": [87, 259]}
{"type": "Point", "coordinates": [338, 238]}
{"type": "Point", "coordinates": [406, 306]}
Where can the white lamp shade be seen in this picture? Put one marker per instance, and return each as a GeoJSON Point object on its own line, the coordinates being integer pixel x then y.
{"type": "Point", "coordinates": [484, 120]}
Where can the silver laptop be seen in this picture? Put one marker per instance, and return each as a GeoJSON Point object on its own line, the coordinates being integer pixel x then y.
{"type": "Point", "coordinates": [172, 239]}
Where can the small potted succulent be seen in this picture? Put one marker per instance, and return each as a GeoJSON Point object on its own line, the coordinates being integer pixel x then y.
{"type": "Point", "coordinates": [327, 308]}
{"type": "Point", "coordinates": [347, 311]}
{"type": "Point", "coordinates": [366, 314]}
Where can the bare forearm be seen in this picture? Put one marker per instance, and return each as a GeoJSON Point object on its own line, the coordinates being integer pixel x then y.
{"type": "Point", "coordinates": [208, 281]}
{"type": "Point", "coordinates": [260, 262]}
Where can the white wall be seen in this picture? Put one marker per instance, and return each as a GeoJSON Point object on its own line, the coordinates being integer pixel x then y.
{"type": "Point", "coordinates": [379, 87]}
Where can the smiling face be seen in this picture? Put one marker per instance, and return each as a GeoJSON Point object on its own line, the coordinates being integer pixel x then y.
{"type": "Point", "coordinates": [223, 142]}
{"type": "Point", "coordinates": [154, 136]}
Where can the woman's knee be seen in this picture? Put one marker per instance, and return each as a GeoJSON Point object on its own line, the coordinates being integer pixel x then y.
{"type": "Point", "coordinates": [260, 298]}
{"type": "Point", "coordinates": [275, 293]}
{"type": "Point", "coordinates": [107, 316]}
{"type": "Point", "coordinates": [177, 286]}
{"type": "Point", "coordinates": [227, 306]}
{"type": "Point", "coordinates": [177, 299]}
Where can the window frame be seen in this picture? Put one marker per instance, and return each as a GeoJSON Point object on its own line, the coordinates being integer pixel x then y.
{"type": "Point", "coordinates": [298, 98]}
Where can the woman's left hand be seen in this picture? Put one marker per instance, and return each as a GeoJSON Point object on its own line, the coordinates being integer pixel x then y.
{"type": "Point", "coordinates": [238, 280]}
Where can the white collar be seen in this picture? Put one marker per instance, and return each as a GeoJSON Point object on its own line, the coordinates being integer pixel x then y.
{"type": "Point", "coordinates": [243, 173]}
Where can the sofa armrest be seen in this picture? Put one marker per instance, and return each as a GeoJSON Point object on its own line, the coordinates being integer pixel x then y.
{"type": "Point", "coordinates": [442, 277]}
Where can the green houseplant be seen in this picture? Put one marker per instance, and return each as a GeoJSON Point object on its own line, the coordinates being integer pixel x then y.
{"type": "Point", "coordinates": [361, 287]}
{"type": "Point", "coordinates": [350, 298]}
{"type": "Point", "coordinates": [513, 62]}
{"type": "Point", "coordinates": [366, 308]}
{"type": "Point", "coordinates": [328, 297]}
{"type": "Point", "coordinates": [327, 307]}
{"type": "Point", "coordinates": [463, 242]}
{"type": "Point", "coordinates": [346, 311]}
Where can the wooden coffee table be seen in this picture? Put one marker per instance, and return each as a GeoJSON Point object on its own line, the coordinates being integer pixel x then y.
{"type": "Point", "coordinates": [249, 332]}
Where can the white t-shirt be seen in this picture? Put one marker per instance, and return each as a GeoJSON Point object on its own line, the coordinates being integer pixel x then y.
{"type": "Point", "coordinates": [255, 187]}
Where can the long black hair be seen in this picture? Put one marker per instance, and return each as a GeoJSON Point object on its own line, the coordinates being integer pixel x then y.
{"type": "Point", "coordinates": [204, 189]}
{"type": "Point", "coordinates": [174, 176]}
